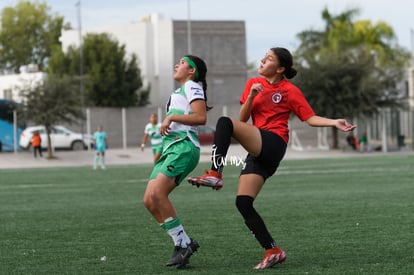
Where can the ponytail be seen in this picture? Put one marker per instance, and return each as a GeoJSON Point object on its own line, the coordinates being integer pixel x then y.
{"type": "Point", "coordinates": [201, 74]}
{"type": "Point", "coordinates": [286, 61]}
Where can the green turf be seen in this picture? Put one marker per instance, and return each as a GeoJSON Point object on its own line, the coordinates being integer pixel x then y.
{"type": "Point", "coordinates": [331, 216]}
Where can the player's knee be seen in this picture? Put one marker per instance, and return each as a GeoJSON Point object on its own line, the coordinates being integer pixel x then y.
{"type": "Point", "coordinates": [245, 205]}
{"type": "Point", "coordinates": [224, 123]}
{"type": "Point", "coordinates": [146, 201]}
{"type": "Point", "coordinates": [151, 200]}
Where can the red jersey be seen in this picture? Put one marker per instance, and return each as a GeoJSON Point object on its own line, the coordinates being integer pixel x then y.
{"type": "Point", "coordinates": [272, 106]}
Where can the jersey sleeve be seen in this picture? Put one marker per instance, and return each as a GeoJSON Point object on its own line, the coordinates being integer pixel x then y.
{"type": "Point", "coordinates": [146, 130]}
{"type": "Point", "coordinates": [246, 90]}
{"type": "Point", "coordinates": [193, 91]}
{"type": "Point", "coordinates": [299, 105]}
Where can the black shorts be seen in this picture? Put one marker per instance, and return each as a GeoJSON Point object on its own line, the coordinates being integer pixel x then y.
{"type": "Point", "coordinates": [273, 151]}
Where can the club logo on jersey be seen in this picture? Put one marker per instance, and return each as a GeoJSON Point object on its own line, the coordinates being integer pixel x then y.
{"type": "Point", "coordinates": [198, 91]}
{"type": "Point", "coordinates": [277, 97]}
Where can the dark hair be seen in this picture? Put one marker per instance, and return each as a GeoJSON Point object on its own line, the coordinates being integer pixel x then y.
{"type": "Point", "coordinates": [201, 75]}
{"type": "Point", "coordinates": [285, 60]}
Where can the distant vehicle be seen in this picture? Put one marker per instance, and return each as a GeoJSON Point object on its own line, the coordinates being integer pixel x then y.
{"type": "Point", "coordinates": [205, 135]}
{"type": "Point", "coordinates": [61, 138]}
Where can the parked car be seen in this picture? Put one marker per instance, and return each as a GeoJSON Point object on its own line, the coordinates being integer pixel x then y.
{"type": "Point", "coordinates": [205, 135]}
{"type": "Point", "coordinates": [61, 138]}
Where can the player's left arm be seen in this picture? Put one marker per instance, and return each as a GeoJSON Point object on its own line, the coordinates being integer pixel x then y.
{"type": "Point", "coordinates": [341, 124]}
{"type": "Point", "coordinates": [197, 117]}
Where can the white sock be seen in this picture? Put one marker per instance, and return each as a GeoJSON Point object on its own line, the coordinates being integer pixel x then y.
{"type": "Point", "coordinates": [176, 230]}
{"type": "Point", "coordinates": [95, 161]}
{"type": "Point", "coordinates": [179, 236]}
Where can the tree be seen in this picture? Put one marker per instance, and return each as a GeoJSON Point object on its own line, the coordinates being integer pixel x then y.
{"type": "Point", "coordinates": [52, 102]}
{"type": "Point", "coordinates": [336, 87]}
{"type": "Point", "coordinates": [110, 79]}
{"type": "Point", "coordinates": [27, 35]}
{"type": "Point", "coordinates": [350, 68]}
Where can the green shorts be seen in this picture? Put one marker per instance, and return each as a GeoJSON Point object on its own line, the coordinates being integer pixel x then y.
{"type": "Point", "coordinates": [177, 161]}
{"type": "Point", "coordinates": [157, 149]}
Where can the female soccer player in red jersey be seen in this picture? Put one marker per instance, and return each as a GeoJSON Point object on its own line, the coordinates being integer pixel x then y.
{"type": "Point", "coordinates": [268, 100]}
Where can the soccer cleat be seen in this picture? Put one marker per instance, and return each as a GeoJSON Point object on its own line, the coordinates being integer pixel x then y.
{"type": "Point", "coordinates": [211, 179]}
{"type": "Point", "coordinates": [272, 256]}
{"type": "Point", "coordinates": [181, 255]}
{"type": "Point", "coordinates": [175, 258]}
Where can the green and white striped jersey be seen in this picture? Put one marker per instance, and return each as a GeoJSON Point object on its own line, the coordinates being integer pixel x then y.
{"type": "Point", "coordinates": [153, 131]}
{"type": "Point", "coordinates": [179, 103]}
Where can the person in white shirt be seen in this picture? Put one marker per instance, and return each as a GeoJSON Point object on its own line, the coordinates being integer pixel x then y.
{"type": "Point", "coordinates": [152, 131]}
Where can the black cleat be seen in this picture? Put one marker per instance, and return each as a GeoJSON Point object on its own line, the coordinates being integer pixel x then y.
{"type": "Point", "coordinates": [174, 260]}
{"type": "Point", "coordinates": [181, 255]}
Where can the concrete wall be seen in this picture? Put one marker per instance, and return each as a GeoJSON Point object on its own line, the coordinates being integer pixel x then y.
{"type": "Point", "coordinates": [125, 127]}
{"type": "Point", "coordinates": [136, 118]}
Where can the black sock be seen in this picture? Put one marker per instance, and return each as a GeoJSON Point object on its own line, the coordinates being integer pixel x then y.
{"type": "Point", "coordinates": [222, 139]}
{"type": "Point", "coordinates": [254, 222]}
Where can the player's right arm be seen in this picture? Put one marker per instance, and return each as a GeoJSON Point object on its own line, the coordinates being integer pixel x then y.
{"type": "Point", "coordinates": [246, 107]}
{"type": "Point", "coordinates": [144, 141]}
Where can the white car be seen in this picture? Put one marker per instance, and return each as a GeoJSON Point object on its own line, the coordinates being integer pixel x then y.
{"type": "Point", "coordinates": [61, 138]}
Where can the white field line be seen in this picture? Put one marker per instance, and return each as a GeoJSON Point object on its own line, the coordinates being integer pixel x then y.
{"type": "Point", "coordinates": [303, 170]}
{"type": "Point", "coordinates": [53, 185]}
{"type": "Point", "coordinates": [323, 170]}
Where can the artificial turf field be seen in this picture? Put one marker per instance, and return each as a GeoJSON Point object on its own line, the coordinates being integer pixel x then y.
{"type": "Point", "coordinates": [331, 216]}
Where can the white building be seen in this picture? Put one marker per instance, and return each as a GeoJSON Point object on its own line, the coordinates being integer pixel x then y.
{"type": "Point", "coordinates": [11, 85]}
{"type": "Point", "coordinates": [151, 39]}
{"type": "Point", "coordinates": [159, 43]}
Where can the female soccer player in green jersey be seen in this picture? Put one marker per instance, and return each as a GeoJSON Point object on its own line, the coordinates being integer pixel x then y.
{"type": "Point", "coordinates": [152, 131]}
{"type": "Point", "coordinates": [186, 109]}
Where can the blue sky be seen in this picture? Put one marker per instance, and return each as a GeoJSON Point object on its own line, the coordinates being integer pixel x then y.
{"type": "Point", "coordinates": [268, 22]}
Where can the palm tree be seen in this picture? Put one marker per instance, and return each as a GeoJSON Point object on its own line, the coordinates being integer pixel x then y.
{"type": "Point", "coordinates": [350, 67]}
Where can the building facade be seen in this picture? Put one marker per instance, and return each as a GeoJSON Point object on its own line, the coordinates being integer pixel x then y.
{"type": "Point", "coordinates": [12, 84]}
{"type": "Point", "coordinates": [159, 43]}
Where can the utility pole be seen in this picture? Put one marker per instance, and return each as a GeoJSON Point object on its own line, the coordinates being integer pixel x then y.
{"type": "Point", "coordinates": [82, 93]}
{"type": "Point", "coordinates": [411, 88]}
{"type": "Point", "coordinates": [189, 46]}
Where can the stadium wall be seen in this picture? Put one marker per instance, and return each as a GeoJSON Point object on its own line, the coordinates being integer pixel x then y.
{"type": "Point", "coordinates": [125, 126]}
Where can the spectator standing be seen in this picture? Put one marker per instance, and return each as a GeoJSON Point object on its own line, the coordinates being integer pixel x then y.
{"type": "Point", "coordinates": [100, 144]}
{"type": "Point", "coordinates": [36, 144]}
{"type": "Point", "coordinates": [363, 143]}
{"type": "Point", "coordinates": [352, 141]}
